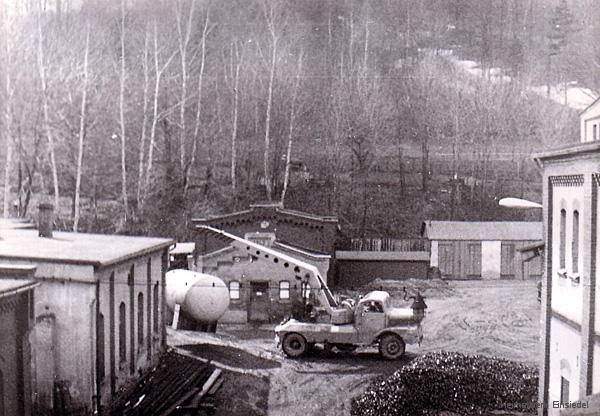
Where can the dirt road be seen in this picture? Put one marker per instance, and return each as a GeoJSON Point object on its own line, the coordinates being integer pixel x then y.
{"type": "Point", "coordinates": [494, 318]}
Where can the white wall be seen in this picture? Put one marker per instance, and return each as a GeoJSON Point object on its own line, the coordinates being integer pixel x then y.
{"type": "Point", "coordinates": [596, 374]}
{"type": "Point", "coordinates": [565, 344]}
{"type": "Point", "coordinates": [587, 121]}
{"type": "Point", "coordinates": [490, 259]}
{"type": "Point", "coordinates": [434, 254]}
{"type": "Point", "coordinates": [567, 296]}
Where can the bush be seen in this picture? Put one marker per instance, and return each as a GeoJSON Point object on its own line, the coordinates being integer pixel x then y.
{"type": "Point", "coordinates": [469, 385]}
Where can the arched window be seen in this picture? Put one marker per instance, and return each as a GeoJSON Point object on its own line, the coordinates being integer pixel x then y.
{"type": "Point", "coordinates": [563, 238]}
{"type": "Point", "coordinates": [234, 290]}
{"type": "Point", "coordinates": [284, 289]}
{"type": "Point", "coordinates": [575, 242]}
{"type": "Point", "coordinates": [140, 320]}
{"type": "Point", "coordinates": [100, 348]}
{"type": "Point", "coordinates": [155, 307]}
{"type": "Point", "coordinates": [122, 333]}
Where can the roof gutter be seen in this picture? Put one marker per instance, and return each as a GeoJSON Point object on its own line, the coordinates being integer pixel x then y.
{"type": "Point", "coordinates": [19, 290]}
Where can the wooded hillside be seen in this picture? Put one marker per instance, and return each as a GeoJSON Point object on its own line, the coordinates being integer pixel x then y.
{"type": "Point", "coordinates": [133, 116]}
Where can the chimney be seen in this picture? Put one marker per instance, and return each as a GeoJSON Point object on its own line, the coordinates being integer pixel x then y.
{"type": "Point", "coordinates": [46, 220]}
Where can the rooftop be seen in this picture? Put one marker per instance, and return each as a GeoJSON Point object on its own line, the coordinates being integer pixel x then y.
{"type": "Point", "coordinates": [275, 207]}
{"type": "Point", "coordinates": [183, 248]}
{"type": "Point", "coordinates": [9, 287]}
{"type": "Point", "coordinates": [98, 250]}
{"type": "Point", "coordinates": [482, 230]}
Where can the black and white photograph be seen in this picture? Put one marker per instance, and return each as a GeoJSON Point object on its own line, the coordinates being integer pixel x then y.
{"type": "Point", "coordinates": [300, 207]}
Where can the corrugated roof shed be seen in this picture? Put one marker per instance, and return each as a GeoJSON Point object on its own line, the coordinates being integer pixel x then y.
{"type": "Point", "coordinates": [76, 248]}
{"type": "Point", "coordinates": [483, 230]}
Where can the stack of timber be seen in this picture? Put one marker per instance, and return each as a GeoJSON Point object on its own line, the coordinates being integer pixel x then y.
{"type": "Point", "coordinates": [178, 385]}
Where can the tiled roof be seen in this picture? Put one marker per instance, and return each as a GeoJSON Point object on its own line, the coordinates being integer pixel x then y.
{"type": "Point", "coordinates": [78, 248]}
{"type": "Point", "coordinates": [483, 230]}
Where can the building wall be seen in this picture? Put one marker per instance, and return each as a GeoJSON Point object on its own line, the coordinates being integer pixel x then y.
{"type": "Point", "coordinates": [455, 261]}
{"type": "Point", "coordinates": [15, 359]}
{"type": "Point", "coordinates": [569, 302]}
{"type": "Point", "coordinates": [490, 259]}
{"type": "Point", "coordinates": [64, 311]}
{"type": "Point", "coordinates": [434, 254]}
{"type": "Point", "coordinates": [237, 266]}
{"type": "Point", "coordinates": [564, 362]}
{"type": "Point", "coordinates": [356, 273]}
{"type": "Point", "coordinates": [590, 118]}
{"type": "Point", "coordinates": [139, 356]}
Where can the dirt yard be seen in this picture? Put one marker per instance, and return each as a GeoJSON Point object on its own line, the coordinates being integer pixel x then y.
{"type": "Point", "coordinates": [498, 318]}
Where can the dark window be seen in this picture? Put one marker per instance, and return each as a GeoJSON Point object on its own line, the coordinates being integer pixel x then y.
{"type": "Point", "coordinates": [563, 238]}
{"type": "Point", "coordinates": [100, 347]}
{"type": "Point", "coordinates": [155, 307]}
{"type": "Point", "coordinates": [140, 320]}
{"type": "Point", "coordinates": [575, 242]}
{"type": "Point", "coordinates": [564, 390]}
{"type": "Point", "coordinates": [149, 307]}
{"type": "Point", "coordinates": [122, 333]}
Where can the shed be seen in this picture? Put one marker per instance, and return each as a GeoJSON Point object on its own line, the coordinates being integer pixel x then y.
{"type": "Point", "coordinates": [483, 249]}
{"type": "Point", "coordinates": [357, 268]}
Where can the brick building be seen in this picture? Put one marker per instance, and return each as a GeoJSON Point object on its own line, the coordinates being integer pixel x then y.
{"type": "Point", "coordinates": [570, 370]}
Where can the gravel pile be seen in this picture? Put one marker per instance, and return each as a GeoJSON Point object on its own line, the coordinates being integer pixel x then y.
{"type": "Point", "coordinates": [454, 382]}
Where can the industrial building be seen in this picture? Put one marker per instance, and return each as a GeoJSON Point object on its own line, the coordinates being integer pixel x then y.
{"type": "Point", "coordinates": [99, 316]}
{"type": "Point", "coordinates": [484, 249]}
{"type": "Point", "coordinates": [570, 370]}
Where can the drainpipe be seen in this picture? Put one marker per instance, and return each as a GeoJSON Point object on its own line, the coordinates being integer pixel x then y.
{"type": "Point", "coordinates": [94, 373]}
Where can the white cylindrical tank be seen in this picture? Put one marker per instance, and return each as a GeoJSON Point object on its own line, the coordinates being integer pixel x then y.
{"type": "Point", "coordinates": [201, 296]}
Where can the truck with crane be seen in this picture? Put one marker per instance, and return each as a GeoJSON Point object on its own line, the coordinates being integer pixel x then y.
{"type": "Point", "coordinates": [345, 325]}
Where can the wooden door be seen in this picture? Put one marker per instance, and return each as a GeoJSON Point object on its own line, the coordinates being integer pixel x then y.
{"type": "Point", "coordinates": [259, 305]}
{"type": "Point", "coordinates": [507, 261]}
{"type": "Point", "coordinates": [446, 259]}
{"type": "Point", "coordinates": [473, 266]}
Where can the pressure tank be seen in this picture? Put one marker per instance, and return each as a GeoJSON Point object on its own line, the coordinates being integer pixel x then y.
{"type": "Point", "coordinates": [201, 297]}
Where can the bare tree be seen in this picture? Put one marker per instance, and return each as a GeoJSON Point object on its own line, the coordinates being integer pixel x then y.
{"type": "Point", "coordinates": [145, 99]}
{"type": "Point", "coordinates": [293, 110]}
{"type": "Point", "coordinates": [276, 19]}
{"type": "Point", "coordinates": [235, 54]}
{"type": "Point", "coordinates": [8, 95]}
{"type": "Point", "coordinates": [46, 108]}
{"type": "Point", "coordinates": [123, 136]}
{"type": "Point", "coordinates": [82, 126]}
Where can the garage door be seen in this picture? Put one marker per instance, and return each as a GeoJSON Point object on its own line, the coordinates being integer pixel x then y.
{"type": "Point", "coordinates": [446, 259]}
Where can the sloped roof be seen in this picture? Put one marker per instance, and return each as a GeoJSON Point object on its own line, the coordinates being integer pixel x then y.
{"type": "Point", "coordinates": [275, 208]}
{"type": "Point", "coordinates": [482, 230]}
{"type": "Point", "coordinates": [9, 287]}
{"type": "Point", "coordinates": [183, 248]}
{"type": "Point", "coordinates": [76, 248]}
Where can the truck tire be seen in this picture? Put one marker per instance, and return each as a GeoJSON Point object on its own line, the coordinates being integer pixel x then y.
{"type": "Point", "coordinates": [391, 346]}
{"type": "Point", "coordinates": [294, 345]}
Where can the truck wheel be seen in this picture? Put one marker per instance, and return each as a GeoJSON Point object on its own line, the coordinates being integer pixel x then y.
{"type": "Point", "coordinates": [294, 345]}
{"type": "Point", "coordinates": [391, 346]}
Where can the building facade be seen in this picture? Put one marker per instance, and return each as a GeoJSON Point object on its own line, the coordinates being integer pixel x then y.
{"type": "Point", "coordinates": [570, 306]}
{"type": "Point", "coordinates": [483, 250]}
{"type": "Point", "coordinates": [16, 321]}
{"type": "Point", "coordinates": [99, 313]}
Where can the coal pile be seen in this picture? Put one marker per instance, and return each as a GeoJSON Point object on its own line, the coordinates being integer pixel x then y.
{"type": "Point", "coordinates": [454, 382]}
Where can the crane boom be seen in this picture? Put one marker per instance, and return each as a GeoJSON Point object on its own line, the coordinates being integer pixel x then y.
{"type": "Point", "coordinates": [302, 269]}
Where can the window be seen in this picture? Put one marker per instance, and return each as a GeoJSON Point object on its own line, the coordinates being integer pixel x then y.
{"type": "Point", "coordinates": [234, 290]}
{"type": "Point", "coordinates": [575, 242]}
{"type": "Point", "coordinates": [595, 134]}
{"type": "Point", "coordinates": [284, 289]}
{"type": "Point", "coordinates": [149, 307]}
{"type": "Point", "coordinates": [564, 390]}
{"type": "Point", "coordinates": [305, 290]}
{"type": "Point", "coordinates": [100, 347]}
{"type": "Point", "coordinates": [155, 307]}
{"type": "Point", "coordinates": [122, 334]}
{"type": "Point", "coordinates": [140, 320]}
{"type": "Point", "coordinates": [563, 238]}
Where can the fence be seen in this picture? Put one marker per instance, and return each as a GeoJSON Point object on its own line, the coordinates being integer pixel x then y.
{"type": "Point", "coordinates": [389, 244]}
